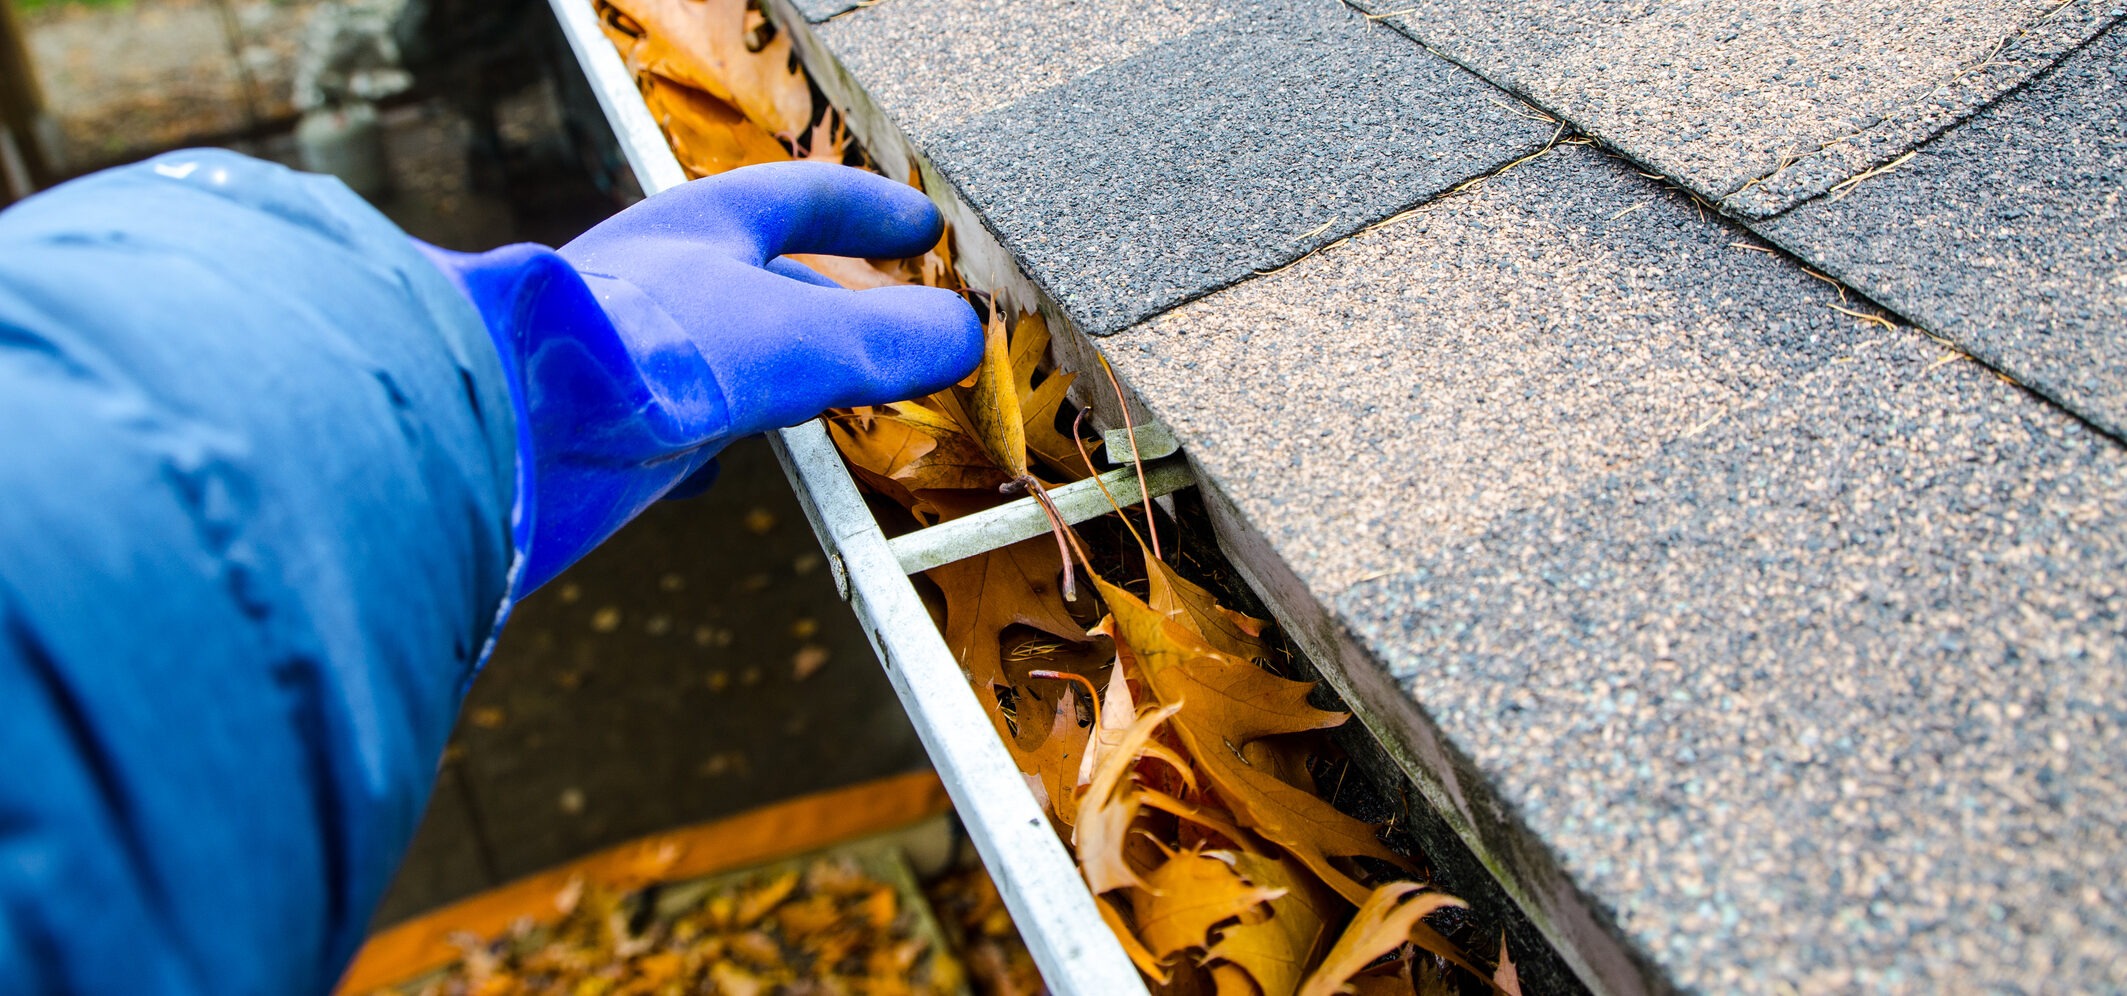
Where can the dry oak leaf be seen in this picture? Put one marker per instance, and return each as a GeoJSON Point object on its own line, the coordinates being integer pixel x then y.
{"type": "Point", "coordinates": [1226, 703]}
{"type": "Point", "coordinates": [1190, 893]}
{"type": "Point", "coordinates": [1274, 953]}
{"type": "Point", "coordinates": [707, 135]}
{"type": "Point", "coordinates": [1051, 767]}
{"type": "Point", "coordinates": [993, 407]}
{"type": "Point", "coordinates": [1038, 404]}
{"type": "Point", "coordinates": [1203, 817]}
{"type": "Point", "coordinates": [1139, 955]}
{"type": "Point", "coordinates": [1108, 808]}
{"type": "Point", "coordinates": [904, 447]}
{"type": "Point", "coordinates": [1118, 709]}
{"type": "Point", "coordinates": [1198, 610]}
{"type": "Point", "coordinates": [1113, 715]}
{"type": "Point", "coordinates": [983, 595]}
{"type": "Point", "coordinates": [1505, 978]}
{"type": "Point", "coordinates": [702, 44]}
{"type": "Point", "coordinates": [1384, 923]}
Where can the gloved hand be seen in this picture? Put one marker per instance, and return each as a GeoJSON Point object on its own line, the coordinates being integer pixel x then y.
{"type": "Point", "coordinates": [643, 347]}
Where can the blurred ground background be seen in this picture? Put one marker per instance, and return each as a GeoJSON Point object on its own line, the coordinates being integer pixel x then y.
{"type": "Point", "coordinates": [697, 665]}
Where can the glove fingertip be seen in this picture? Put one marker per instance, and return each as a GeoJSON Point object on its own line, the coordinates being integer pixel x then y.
{"type": "Point", "coordinates": [948, 343]}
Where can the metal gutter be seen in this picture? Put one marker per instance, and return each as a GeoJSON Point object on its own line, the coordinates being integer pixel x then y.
{"type": "Point", "coordinates": [1036, 877]}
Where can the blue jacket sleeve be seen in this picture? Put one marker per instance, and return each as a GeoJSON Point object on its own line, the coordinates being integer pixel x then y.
{"type": "Point", "coordinates": [257, 477]}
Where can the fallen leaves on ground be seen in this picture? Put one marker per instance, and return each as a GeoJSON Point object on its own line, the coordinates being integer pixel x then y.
{"type": "Point", "coordinates": [973, 914]}
{"type": "Point", "coordinates": [1166, 752]}
{"type": "Point", "coordinates": [826, 927]}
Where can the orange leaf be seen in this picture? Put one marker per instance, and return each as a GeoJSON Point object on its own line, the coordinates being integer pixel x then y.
{"type": "Point", "coordinates": [1505, 978]}
{"type": "Point", "coordinates": [1383, 924]}
{"type": "Point", "coordinates": [1118, 709]}
{"type": "Point", "coordinates": [1038, 404]}
{"type": "Point", "coordinates": [1182, 600]}
{"type": "Point", "coordinates": [983, 595]}
{"type": "Point", "coordinates": [853, 273]}
{"type": "Point", "coordinates": [993, 407]}
{"type": "Point", "coordinates": [1190, 893]}
{"type": "Point", "coordinates": [1133, 947]}
{"type": "Point", "coordinates": [707, 135]}
{"type": "Point", "coordinates": [1052, 765]}
{"type": "Point", "coordinates": [911, 448]}
{"type": "Point", "coordinates": [1109, 806]}
{"type": "Point", "coordinates": [702, 44]}
{"type": "Point", "coordinates": [1216, 820]}
{"type": "Point", "coordinates": [1225, 703]}
{"type": "Point", "coordinates": [1275, 952]}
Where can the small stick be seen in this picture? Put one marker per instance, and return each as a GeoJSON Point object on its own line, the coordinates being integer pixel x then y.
{"type": "Point", "coordinates": [1091, 695]}
{"type": "Point", "coordinates": [1087, 459]}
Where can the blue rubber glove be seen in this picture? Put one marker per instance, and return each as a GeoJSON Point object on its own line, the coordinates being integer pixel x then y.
{"type": "Point", "coordinates": [639, 350]}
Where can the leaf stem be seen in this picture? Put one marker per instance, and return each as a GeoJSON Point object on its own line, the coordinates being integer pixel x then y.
{"type": "Point", "coordinates": [1087, 458]}
{"type": "Point", "coordinates": [1135, 456]}
{"type": "Point", "coordinates": [1092, 695]}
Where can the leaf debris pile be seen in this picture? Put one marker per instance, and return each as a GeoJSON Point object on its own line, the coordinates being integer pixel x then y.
{"type": "Point", "coordinates": [1173, 761]}
{"type": "Point", "coordinates": [973, 915]}
{"type": "Point", "coordinates": [827, 929]}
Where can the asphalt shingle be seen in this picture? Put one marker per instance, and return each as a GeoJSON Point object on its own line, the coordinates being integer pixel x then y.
{"type": "Point", "coordinates": [1793, 640]}
{"type": "Point", "coordinates": [1135, 156]}
{"type": "Point", "coordinates": [820, 10]}
{"type": "Point", "coordinates": [2007, 234]}
{"type": "Point", "coordinates": [1757, 105]}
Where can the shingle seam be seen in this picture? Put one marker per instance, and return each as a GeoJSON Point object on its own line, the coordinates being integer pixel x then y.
{"type": "Point", "coordinates": [1890, 156]}
{"type": "Point", "coordinates": [1564, 135]}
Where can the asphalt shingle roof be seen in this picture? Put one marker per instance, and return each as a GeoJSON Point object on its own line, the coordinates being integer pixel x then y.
{"type": "Point", "coordinates": [1756, 105]}
{"type": "Point", "coordinates": [1750, 641]}
{"type": "Point", "coordinates": [2007, 235]}
{"type": "Point", "coordinates": [1132, 156]}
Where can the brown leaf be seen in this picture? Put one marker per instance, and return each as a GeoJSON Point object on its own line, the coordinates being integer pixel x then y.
{"type": "Point", "coordinates": [1109, 806]}
{"type": "Point", "coordinates": [1230, 980]}
{"type": "Point", "coordinates": [1225, 704]}
{"type": "Point", "coordinates": [905, 447]}
{"type": "Point", "coordinates": [1383, 924]}
{"type": "Point", "coordinates": [1505, 978]}
{"type": "Point", "coordinates": [1139, 955]}
{"type": "Point", "coordinates": [702, 44]}
{"type": "Point", "coordinates": [1190, 893]}
{"type": "Point", "coordinates": [1118, 710]}
{"type": "Point", "coordinates": [707, 135]}
{"type": "Point", "coordinates": [1182, 600]}
{"type": "Point", "coordinates": [1039, 404]}
{"type": "Point", "coordinates": [853, 273]}
{"type": "Point", "coordinates": [1209, 818]}
{"type": "Point", "coordinates": [1051, 766]}
{"type": "Point", "coordinates": [984, 595]}
{"type": "Point", "coordinates": [1275, 952]}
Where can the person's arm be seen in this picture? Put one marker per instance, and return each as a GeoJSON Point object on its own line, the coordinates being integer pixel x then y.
{"type": "Point", "coordinates": [267, 487]}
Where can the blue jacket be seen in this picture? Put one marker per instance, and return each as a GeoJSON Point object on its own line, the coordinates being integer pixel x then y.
{"type": "Point", "coordinates": [257, 472]}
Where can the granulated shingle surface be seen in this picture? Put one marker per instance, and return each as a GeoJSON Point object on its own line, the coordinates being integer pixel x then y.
{"type": "Point", "coordinates": [1798, 643]}
{"type": "Point", "coordinates": [1795, 639]}
{"type": "Point", "coordinates": [1786, 98]}
{"type": "Point", "coordinates": [1489, 350]}
{"type": "Point", "coordinates": [820, 10]}
{"type": "Point", "coordinates": [1133, 156]}
{"type": "Point", "coordinates": [1829, 695]}
{"type": "Point", "coordinates": [2007, 235]}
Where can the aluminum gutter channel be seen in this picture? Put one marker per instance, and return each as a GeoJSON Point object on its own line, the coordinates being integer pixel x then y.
{"type": "Point", "coordinates": [1037, 879]}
